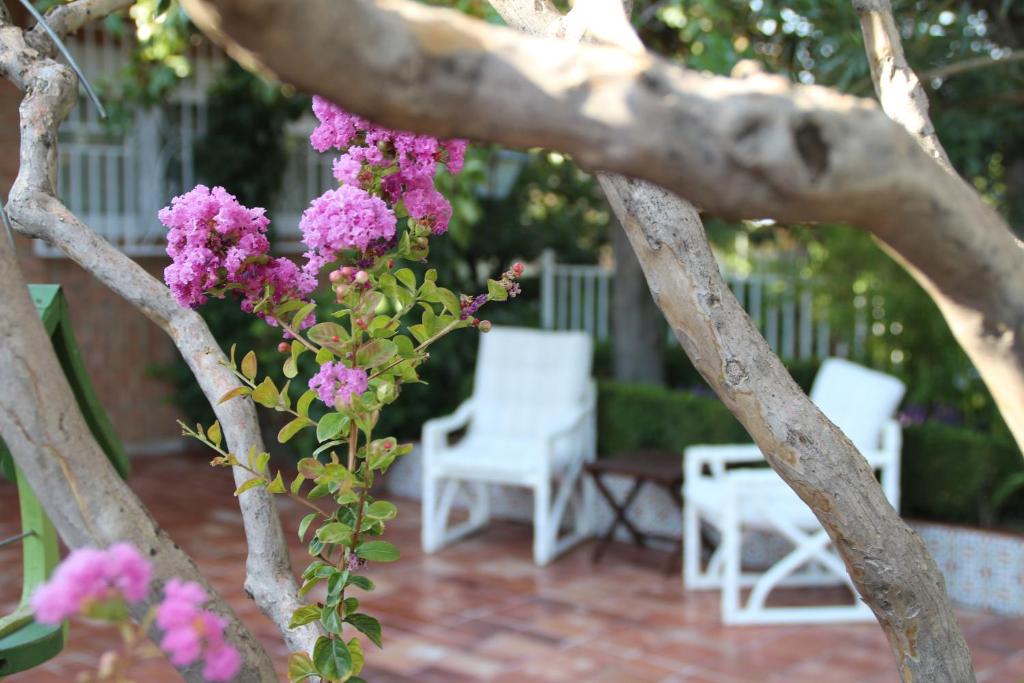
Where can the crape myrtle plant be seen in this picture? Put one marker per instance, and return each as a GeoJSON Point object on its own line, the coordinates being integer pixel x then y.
{"type": "Point", "coordinates": [368, 343]}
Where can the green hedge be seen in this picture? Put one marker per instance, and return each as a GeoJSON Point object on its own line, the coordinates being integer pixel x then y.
{"type": "Point", "coordinates": [642, 416]}
{"type": "Point", "coordinates": [949, 472]}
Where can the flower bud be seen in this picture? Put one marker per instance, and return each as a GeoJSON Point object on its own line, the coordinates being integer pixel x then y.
{"type": "Point", "coordinates": [284, 347]}
{"type": "Point", "coordinates": [362, 277]}
{"type": "Point", "coordinates": [335, 276]}
{"type": "Point", "coordinates": [346, 272]}
{"type": "Point", "coordinates": [517, 269]}
{"type": "Point", "coordinates": [484, 326]}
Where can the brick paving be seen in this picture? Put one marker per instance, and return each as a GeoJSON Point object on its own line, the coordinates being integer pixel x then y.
{"type": "Point", "coordinates": [480, 610]}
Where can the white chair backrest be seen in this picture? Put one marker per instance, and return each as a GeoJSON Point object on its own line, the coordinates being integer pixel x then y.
{"type": "Point", "coordinates": [529, 380]}
{"type": "Point", "coordinates": [857, 399]}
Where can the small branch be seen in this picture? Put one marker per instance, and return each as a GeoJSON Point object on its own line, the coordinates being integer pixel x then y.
{"type": "Point", "coordinates": [947, 71]}
{"type": "Point", "coordinates": [897, 86]}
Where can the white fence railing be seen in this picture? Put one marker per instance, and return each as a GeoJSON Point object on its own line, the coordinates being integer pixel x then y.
{"type": "Point", "coordinates": [578, 297]}
{"type": "Point", "coordinates": [117, 183]}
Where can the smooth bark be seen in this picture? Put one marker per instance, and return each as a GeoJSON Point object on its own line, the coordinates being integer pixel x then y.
{"type": "Point", "coordinates": [752, 148]}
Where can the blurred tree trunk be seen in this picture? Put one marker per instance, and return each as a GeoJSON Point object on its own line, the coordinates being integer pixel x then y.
{"type": "Point", "coordinates": [638, 328]}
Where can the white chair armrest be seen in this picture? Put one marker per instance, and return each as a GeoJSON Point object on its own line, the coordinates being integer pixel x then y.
{"type": "Point", "coordinates": [435, 430]}
{"type": "Point", "coordinates": [716, 457]}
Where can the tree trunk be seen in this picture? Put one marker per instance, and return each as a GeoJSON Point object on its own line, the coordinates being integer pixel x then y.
{"type": "Point", "coordinates": [638, 328]}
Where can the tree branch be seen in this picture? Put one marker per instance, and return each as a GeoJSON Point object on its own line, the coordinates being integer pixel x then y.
{"type": "Point", "coordinates": [884, 557]}
{"type": "Point", "coordinates": [897, 86]}
{"type": "Point", "coordinates": [82, 493]}
{"type": "Point", "coordinates": [36, 212]}
{"type": "Point", "coordinates": [753, 148]}
{"type": "Point", "coordinates": [956, 68]}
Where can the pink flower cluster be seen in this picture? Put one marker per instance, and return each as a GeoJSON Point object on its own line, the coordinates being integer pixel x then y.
{"type": "Point", "coordinates": [405, 162]}
{"type": "Point", "coordinates": [346, 218]}
{"type": "Point", "coordinates": [192, 633]}
{"type": "Point", "coordinates": [88, 576]}
{"type": "Point", "coordinates": [214, 242]}
{"type": "Point", "coordinates": [335, 382]}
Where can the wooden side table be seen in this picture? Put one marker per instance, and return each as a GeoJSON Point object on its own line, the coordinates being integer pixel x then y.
{"type": "Point", "coordinates": [660, 468]}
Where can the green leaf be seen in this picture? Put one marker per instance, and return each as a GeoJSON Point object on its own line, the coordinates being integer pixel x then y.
{"type": "Point", "coordinates": [382, 510]}
{"type": "Point", "coordinates": [297, 484]}
{"type": "Point", "coordinates": [375, 353]}
{"type": "Point", "coordinates": [304, 524]}
{"type": "Point", "coordinates": [304, 615]}
{"type": "Point", "coordinates": [327, 334]}
{"type": "Point", "coordinates": [330, 425]}
{"type": "Point", "coordinates": [276, 486]}
{"type": "Point", "coordinates": [496, 291]}
{"type": "Point", "coordinates": [335, 533]}
{"type": "Point", "coordinates": [324, 355]}
{"type": "Point", "coordinates": [361, 582]}
{"type": "Point", "coordinates": [367, 625]}
{"type": "Point", "coordinates": [330, 618]}
{"type": "Point", "coordinates": [377, 551]}
{"type": "Point", "coordinates": [234, 393]}
{"type": "Point", "coordinates": [420, 332]}
{"type": "Point", "coordinates": [302, 405]}
{"type": "Point", "coordinates": [449, 300]}
{"type": "Point", "coordinates": [332, 658]}
{"type": "Point", "coordinates": [259, 463]}
{"type": "Point", "coordinates": [250, 484]}
{"type": "Point", "coordinates": [407, 278]}
{"type": "Point", "coordinates": [290, 368]}
{"type": "Point", "coordinates": [330, 444]}
{"type": "Point", "coordinates": [249, 366]}
{"type": "Point", "coordinates": [431, 275]}
{"type": "Point", "coordinates": [429, 320]}
{"type": "Point", "coordinates": [300, 667]}
{"type": "Point", "coordinates": [311, 468]}
{"type": "Point", "coordinates": [266, 393]}
{"type": "Point", "coordinates": [358, 658]}
{"type": "Point", "coordinates": [292, 428]}
{"type": "Point", "coordinates": [302, 314]}
{"type": "Point", "coordinates": [213, 433]}
{"type": "Point", "coordinates": [405, 346]}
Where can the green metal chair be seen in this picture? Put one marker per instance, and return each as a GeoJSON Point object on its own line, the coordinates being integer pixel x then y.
{"type": "Point", "coordinates": [24, 643]}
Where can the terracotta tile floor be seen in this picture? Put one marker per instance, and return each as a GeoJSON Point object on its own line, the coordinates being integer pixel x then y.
{"type": "Point", "coordinates": [480, 611]}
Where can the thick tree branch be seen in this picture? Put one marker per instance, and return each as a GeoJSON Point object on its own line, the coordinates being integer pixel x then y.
{"type": "Point", "coordinates": [758, 147]}
{"type": "Point", "coordinates": [36, 212]}
{"type": "Point", "coordinates": [884, 557]}
{"type": "Point", "coordinates": [82, 493]}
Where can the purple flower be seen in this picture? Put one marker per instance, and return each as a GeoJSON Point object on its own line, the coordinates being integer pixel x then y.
{"type": "Point", "coordinates": [192, 633]}
{"type": "Point", "coordinates": [335, 383]}
{"type": "Point", "coordinates": [212, 241]}
{"type": "Point", "coordinates": [470, 305]}
{"type": "Point", "coordinates": [89, 575]}
{"type": "Point", "coordinates": [346, 218]}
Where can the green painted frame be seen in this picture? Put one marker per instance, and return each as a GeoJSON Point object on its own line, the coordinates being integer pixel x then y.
{"type": "Point", "coordinates": [25, 643]}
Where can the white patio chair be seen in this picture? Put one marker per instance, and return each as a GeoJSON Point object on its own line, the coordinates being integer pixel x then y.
{"type": "Point", "coordinates": [736, 500]}
{"type": "Point", "coordinates": [530, 422]}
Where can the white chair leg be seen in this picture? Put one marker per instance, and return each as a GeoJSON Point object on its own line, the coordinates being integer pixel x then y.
{"type": "Point", "coordinates": [545, 530]}
{"type": "Point", "coordinates": [732, 558]}
{"type": "Point", "coordinates": [429, 534]}
{"type": "Point", "coordinates": [694, 578]}
{"type": "Point", "coordinates": [480, 507]}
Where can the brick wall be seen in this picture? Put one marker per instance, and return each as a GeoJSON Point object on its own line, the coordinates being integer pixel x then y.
{"type": "Point", "coordinates": [118, 343]}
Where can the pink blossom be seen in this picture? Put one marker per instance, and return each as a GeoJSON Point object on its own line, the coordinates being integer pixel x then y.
{"type": "Point", "coordinates": [191, 633]}
{"type": "Point", "coordinates": [346, 218]}
{"type": "Point", "coordinates": [212, 240]}
{"type": "Point", "coordinates": [337, 383]}
{"type": "Point", "coordinates": [89, 575]}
